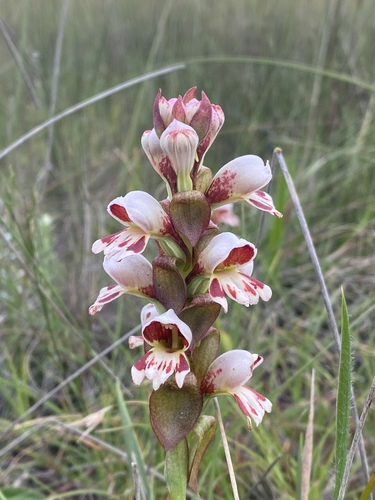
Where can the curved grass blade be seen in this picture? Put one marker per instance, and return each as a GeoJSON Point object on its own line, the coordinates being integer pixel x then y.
{"type": "Point", "coordinates": [369, 488]}
{"type": "Point", "coordinates": [343, 399]}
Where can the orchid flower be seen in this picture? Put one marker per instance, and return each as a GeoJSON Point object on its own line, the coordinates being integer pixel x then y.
{"type": "Point", "coordinates": [133, 275]}
{"type": "Point", "coordinates": [228, 374]}
{"type": "Point", "coordinates": [228, 263]}
{"type": "Point", "coordinates": [242, 179]}
{"type": "Point", "coordinates": [169, 338]}
{"type": "Point", "coordinates": [224, 214]}
{"type": "Point", "coordinates": [143, 217]}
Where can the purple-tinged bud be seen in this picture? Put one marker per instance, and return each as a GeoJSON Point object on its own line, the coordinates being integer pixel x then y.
{"type": "Point", "coordinates": [158, 121]}
{"type": "Point", "coordinates": [201, 121]}
{"type": "Point", "coordinates": [189, 95]}
{"type": "Point", "coordinates": [178, 111]}
{"type": "Point", "coordinates": [160, 162]}
{"type": "Point", "coordinates": [179, 142]}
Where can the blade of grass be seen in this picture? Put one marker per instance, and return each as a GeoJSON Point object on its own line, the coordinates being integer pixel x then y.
{"type": "Point", "coordinates": [299, 469]}
{"type": "Point", "coordinates": [327, 35]}
{"type": "Point", "coordinates": [226, 451]}
{"type": "Point", "coordinates": [43, 174]}
{"type": "Point", "coordinates": [87, 102]}
{"type": "Point", "coordinates": [282, 63]}
{"type": "Point", "coordinates": [18, 60]}
{"type": "Point", "coordinates": [132, 444]}
{"type": "Point", "coordinates": [308, 447]}
{"type": "Point", "coordinates": [343, 399]}
{"type": "Point", "coordinates": [354, 444]}
{"type": "Point", "coordinates": [369, 488]}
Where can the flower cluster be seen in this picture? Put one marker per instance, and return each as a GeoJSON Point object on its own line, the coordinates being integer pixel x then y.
{"type": "Point", "coordinates": [196, 269]}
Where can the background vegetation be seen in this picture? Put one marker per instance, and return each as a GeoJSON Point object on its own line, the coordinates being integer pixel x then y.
{"type": "Point", "coordinates": [298, 75]}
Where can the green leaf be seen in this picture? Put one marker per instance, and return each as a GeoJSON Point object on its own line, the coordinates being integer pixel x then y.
{"type": "Point", "coordinates": [343, 398]}
{"type": "Point", "coordinates": [10, 493]}
{"type": "Point", "coordinates": [174, 411]}
{"type": "Point", "coordinates": [200, 438]}
{"type": "Point", "coordinates": [176, 470]}
{"type": "Point", "coordinates": [132, 445]}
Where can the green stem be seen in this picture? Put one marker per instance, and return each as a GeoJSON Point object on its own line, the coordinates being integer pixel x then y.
{"type": "Point", "coordinates": [176, 470]}
{"type": "Point", "coordinates": [184, 183]}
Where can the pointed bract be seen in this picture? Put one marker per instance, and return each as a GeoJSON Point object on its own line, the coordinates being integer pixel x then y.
{"type": "Point", "coordinates": [190, 214]}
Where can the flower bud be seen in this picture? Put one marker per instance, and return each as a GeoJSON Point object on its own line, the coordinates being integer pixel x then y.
{"type": "Point", "coordinates": [179, 142]}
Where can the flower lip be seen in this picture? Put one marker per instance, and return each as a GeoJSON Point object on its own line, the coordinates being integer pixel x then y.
{"type": "Point", "coordinates": [225, 250]}
{"type": "Point", "coordinates": [160, 329]}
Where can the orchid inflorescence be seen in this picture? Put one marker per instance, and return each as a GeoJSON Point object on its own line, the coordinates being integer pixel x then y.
{"type": "Point", "coordinates": [197, 268]}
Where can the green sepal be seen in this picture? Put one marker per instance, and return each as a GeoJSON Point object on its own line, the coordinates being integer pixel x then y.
{"type": "Point", "coordinates": [199, 439]}
{"type": "Point", "coordinates": [176, 470]}
{"type": "Point", "coordinates": [198, 285]}
{"type": "Point", "coordinates": [169, 285]}
{"type": "Point", "coordinates": [184, 182]}
{"type": "Point", "coordinates": [190, 214]}
{"type": "Point", "coordinates": [203, 179]}
{"type": "Point", "coordinates": [174, 411]}
{"type": "Point", "coordinates": [172, 248]}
